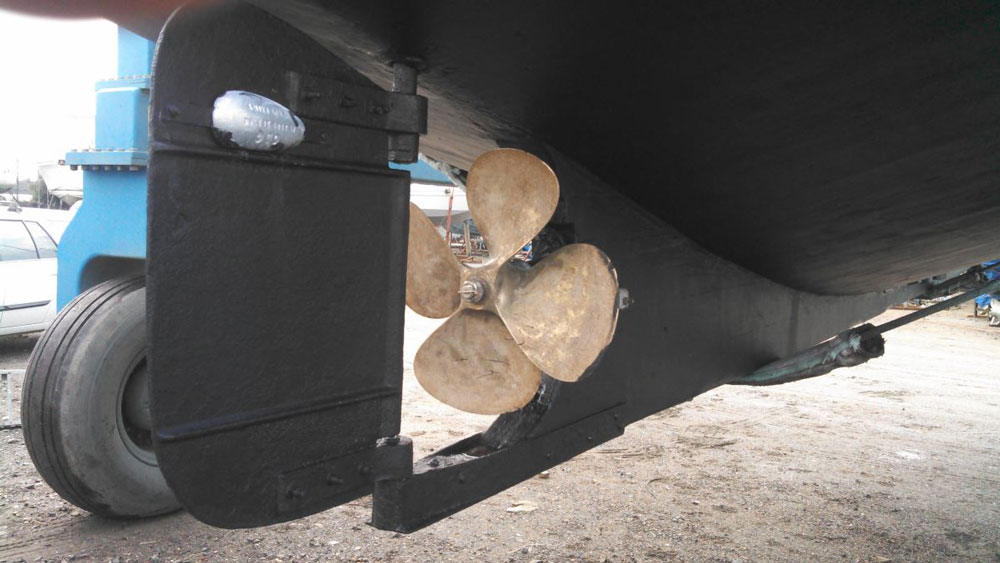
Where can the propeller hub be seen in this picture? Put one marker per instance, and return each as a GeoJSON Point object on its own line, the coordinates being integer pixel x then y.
{"type": "Point", "coordinates": [473, 290]}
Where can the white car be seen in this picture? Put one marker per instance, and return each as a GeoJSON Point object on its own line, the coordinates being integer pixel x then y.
{"type": "Point", "coordinates": [28, 242]}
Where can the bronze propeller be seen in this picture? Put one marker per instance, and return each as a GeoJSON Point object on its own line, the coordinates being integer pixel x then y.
{"type": "Point", "coordinates": [508, 323]}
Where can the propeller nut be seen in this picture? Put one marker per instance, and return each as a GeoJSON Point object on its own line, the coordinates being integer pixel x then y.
{"type": "Point", "coordinates": [473, 290]}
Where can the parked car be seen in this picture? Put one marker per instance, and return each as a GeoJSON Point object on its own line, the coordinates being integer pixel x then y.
{"type": "Point", "coordinates": [28, 242]}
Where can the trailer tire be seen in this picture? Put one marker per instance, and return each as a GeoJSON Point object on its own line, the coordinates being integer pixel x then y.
{"type": "Point", "coordinates": [89, 444]}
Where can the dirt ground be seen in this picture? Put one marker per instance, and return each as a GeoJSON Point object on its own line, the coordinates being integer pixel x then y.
{"type": "Point", "coordinates": [897, 460]}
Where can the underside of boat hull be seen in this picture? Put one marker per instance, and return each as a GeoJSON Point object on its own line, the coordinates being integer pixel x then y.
{"type": "Point", "coordinates": [835, 149]}
{"type": "Point", "coordinates": [838, 149]}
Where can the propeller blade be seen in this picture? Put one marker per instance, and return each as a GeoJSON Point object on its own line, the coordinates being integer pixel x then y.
{"type": "Point", "coordinates": [511, 195]}
{"type": "Point", "coordinates": [433, 274]}
{"type": "Point", "coordinates": [472, 363]}
{"type": "Point", "coordinates": [562, 311]}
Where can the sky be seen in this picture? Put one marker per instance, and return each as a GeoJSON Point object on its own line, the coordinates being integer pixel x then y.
{"type": "Point", "coordinates": [48, 68]}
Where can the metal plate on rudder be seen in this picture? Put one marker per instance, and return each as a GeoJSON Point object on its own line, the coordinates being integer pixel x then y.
{"type": "Point", "coordinates": [275, 280]}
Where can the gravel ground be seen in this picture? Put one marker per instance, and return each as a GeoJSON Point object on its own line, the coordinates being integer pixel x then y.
{"type": "Point", "coordinates": [14, 350]}
{"type": "Point", "coordinates": [897, 460]}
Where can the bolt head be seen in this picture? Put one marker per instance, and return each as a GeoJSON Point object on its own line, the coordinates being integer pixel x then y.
{"type": "Point", "coordinates": [624, 299]}
{"type": "Point", "coordinates": [473, 290]}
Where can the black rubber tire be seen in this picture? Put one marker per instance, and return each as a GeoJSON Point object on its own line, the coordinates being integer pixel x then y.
{"type": "Point", "coordinates": [71, 405]}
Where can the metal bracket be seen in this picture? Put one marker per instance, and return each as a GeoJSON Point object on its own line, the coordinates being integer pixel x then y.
{"type": "Point", "coordinates": [326, 99]}
{"type": "Point", "coordinates": [404, 147]}
{"type": "Point", "coordinates": [470, 471]}
{"type": "Point", "coordinates": [107, 159]}
{"type": "Point", "coordinates": [317, 486]}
